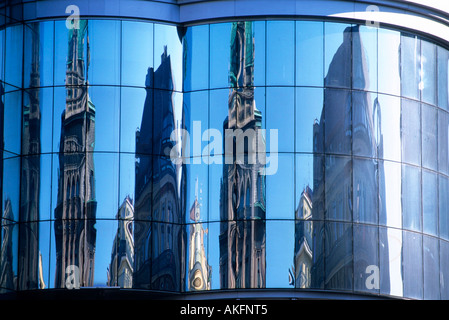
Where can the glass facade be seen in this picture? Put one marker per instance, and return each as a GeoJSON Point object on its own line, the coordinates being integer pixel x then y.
{"type": "Point", "coordinates": [238, 155]}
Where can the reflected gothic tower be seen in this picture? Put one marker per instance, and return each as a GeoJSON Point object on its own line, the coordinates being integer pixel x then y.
{"type": "Point", "coordinates": [75, 212]}
{"type": "Point", "coordinates": [242, 198]}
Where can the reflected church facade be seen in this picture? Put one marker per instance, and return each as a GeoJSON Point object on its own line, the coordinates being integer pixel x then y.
{"type": "Point", "coordinates": [347, 195]}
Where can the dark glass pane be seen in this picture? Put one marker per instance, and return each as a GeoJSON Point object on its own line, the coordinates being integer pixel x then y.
{"type": "Point", "coordinates": [338, 179]}
{"type": "Point", "coordinates": [366, 116]}
{"type": "Point", "coordinates": [11, 189]}
{"type": "Point", "coordinates": [13, 56]}
{"type": "Point", "coordinates": [339, 256]}
{"type": "Point", "coordinates": [38, 60]}
{"type": "Point", "coordinates": [134, 121]}
{"type": "Point", "coordinates": [8, 256]}
{"type": "Point", "coordinates": [338, 121]}
{"type": "Point", "coordinates": [12, 114]}
{"type": "Point", "coordinates": [365, 191]}
{"type": "Point", "coordinates": [337, 56]}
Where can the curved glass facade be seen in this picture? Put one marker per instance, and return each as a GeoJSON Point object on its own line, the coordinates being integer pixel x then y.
{"type": "Point", "coordinates": [295, 154]}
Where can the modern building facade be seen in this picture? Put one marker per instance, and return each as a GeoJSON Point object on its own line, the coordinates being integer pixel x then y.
{"type": "Point", "coordinates": [225, 149]}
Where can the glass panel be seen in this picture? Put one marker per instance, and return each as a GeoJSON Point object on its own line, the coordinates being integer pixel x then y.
{"type": "Point", "coordinates": [37, 119]}
{"type": "Point", "coordinates": [197, 194]}
{"type": "Point", "coordinates": [38, 60]}
{"type": "Point", "coordinates": [34, 250]}
{"type": "Point", "coordinates": [429, 137]}
{"type": "Point", "coordinates": [72, 54]}
{"type": "Point", "coordinates": [11, 189]}
{"type": "Point", "coordinates": [410, 66]}
{"type": "Point", "coordinates": [365, 191]}
{"type": "Point", "coordinates": [389, 61]}
{"type": "Point", "coordinates": [281, 117]}
{"type": "Point", "coordinates": [365, 119]}
{"type": "Point", "coordinates": [136, 119]}
{"type": "Point", "coordinates": [338, 118]}
{"type": "Point", "coordinates": [167, 260]}
{"type": "Point", "coordinates": [430, 202]}
{"type": "Point", "coordinates": [105, 102]}
{"type": "Point", "coordinates": [280, 201]}
{"type": "Point", "coordinates": [196, 44]}
{"type": "Point", "coordinates": [390, 260]}
{"type": "Point", "coordinates": [390, 205]}
{"type": "Point", "coordinates": [224, 39]}
{"type": "Point", "coordinates": [168, 47]}
{"type": "Point", "coordinates": [338, 188]}
{"type": "Point", "coordinates": [389, 120]}
{"type": "Point", "coordinates": [428, 83]}
{"type": "Point", "coordinates": [309, 116]}
{"type": "Point", "coordinates": [35, 188]}
{"type": "Point", "coordinates": [8, 254]}
{"type": "Point", "coordinates": [411, 198]}
{"type": "Point", "coordinates": [339, 256]}
{"type": "Point", "coordinates": [431, 268]}
{"type": "Point", "coordinates": [337, 57]}
{"type": "Point", "coordinates": [12, 125]}
{"type": "Point", "coordinates": [366, 259]}
{"type": "Point", "coordinates": [443, 207]}
{"type": "Point", "coordinates": [198, 269]}
{"type": "Point", "coordinates": [137, 53]}
{"type": "Point", "coordinates": [216, 256]}
{"type": "Point", "coordinates": [280, 52]}
{"type": "Point", "coordinates": [443, 78]}
{"type": "Point", "coordinates": [308, 266]}
{"type": "Point", "coordinates": [197, 105]}
{"type": "Point", "coordinates": [309, 187]}
{"type": "Point", "coordinates": [364, 58]}
{"type": "Point", "coordinates": [142, 253]}
{"type": "Point", "coordinates": [108, 250]}
{"type": "Point", "coordinates": [259, 52]}
{"type": "Point", "coordinates": [13, 56]}
{"type": "Point", "coordinates": [444, 270]}
{"type": "Point", "coordinates": [412, 265]}
{"type": "Point", "coordinates": [104, 51]}
{"type": "Point", "coordinates": [101, 178]}
{"type": "Point", "coordinates": [279, 234]}
{"type": "Point", "coordinates": [309, 53]}
{"type": "Point", "coordinates": [443, 142]}
{"type": "Point", "coordinates": [411, 132]}
{"type": "Point", "coordinates": [2, 55]}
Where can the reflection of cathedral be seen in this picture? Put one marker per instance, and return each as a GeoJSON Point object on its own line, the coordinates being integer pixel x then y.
{"type": "Point", "coordinates": [120, 271]}
{"type": "Point", "coordinates": [75, 212]}
{"type": "Point", "coordinates": [350, 123]}
{"type": "Point", "coordinates": [30, 177]}
{"type": "Point", "coordinates": [199, 269]}
{"type": "Point", "coordinates": [242, 199]}
{"type": "Point", "coordinates": [159, 244]}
